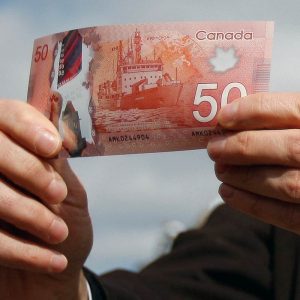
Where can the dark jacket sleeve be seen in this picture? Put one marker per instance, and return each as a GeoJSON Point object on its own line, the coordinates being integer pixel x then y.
{"type": "Point", "coordinates": [228, 258]}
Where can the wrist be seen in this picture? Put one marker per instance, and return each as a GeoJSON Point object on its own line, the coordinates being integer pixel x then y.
{"type": "Point", "coordinates": [39, 286]}
{"type": "Point", "coordinates": [75, 290]}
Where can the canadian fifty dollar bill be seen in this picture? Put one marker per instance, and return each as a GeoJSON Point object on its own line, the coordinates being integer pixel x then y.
{"type": "Point", "coordinates": [146, 87]}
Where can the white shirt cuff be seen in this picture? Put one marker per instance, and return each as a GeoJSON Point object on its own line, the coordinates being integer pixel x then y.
{"type": "Point", "coordinates": [89, 290]}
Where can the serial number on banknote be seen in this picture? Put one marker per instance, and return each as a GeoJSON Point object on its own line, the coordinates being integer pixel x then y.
{"type": "Point", "coordinates": [125, 138]}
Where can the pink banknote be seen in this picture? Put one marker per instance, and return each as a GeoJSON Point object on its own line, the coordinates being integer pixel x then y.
{"type": "Point", "coordinates": [149, 87]}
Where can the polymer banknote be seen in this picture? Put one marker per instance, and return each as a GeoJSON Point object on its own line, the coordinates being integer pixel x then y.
{"type": "Point", "coordinates": [142, 88]}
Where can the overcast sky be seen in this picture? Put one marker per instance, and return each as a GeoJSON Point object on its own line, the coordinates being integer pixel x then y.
{"type": "Point", "coordinates": [131, 197]}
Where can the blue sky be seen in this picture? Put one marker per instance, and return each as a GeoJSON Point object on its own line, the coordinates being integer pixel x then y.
{"type": "Point", "coordinates": [152, 189]}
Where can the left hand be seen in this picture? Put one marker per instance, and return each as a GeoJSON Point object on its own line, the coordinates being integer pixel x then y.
{"type": "Point", "coordinates": [258, 160]}
{"type": "Point", "coordinates": [45, 227]}
{"type": "Point", "coordinates": [67, 284]}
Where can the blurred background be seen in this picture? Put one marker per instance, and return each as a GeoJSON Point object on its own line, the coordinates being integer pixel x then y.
{"type": "Point", "coordinates": [138, 202]}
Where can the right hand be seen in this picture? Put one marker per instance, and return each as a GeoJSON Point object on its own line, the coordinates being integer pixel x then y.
{"type": "Point", "coordinates": [258, 158]}
{"type": "Point", "coordinates": [41, 203]}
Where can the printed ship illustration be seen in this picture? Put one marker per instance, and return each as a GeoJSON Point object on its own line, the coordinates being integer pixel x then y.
{"type": "Point", "coordinates": [139, 83]}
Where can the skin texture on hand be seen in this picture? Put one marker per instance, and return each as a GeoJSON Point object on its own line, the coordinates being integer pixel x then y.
{"type": "Point", "coordinates": [258, 159]}
{"type": "Point", "coordinates": [45, 228]}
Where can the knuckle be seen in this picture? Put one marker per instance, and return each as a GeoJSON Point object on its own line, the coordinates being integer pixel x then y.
{"type": "Point", "coordinates": [33, 167]}
{"type": "Point", "coordinates": [258, 104]}
{"type": "Point", "coordinates": [41, 172]}
{"type": "Point", "coordinates": [50, 175]}
{"type": "Point", "coordinates": [48, 223]}
{"type": "Point", "coordinates": [9, 204]}
{"type": "Point", "coordinates": [243, 143]}
{"type": "Point", "coordinates": [293, 148]}
{"type": "Point", "coordinates": [15, 109]}
{"type": "Point", "coordinates": [22, 255]}
{"type": "Point", "coordinates": [261, 103]}
{"type": "Point", "coordinates": [291, 185]}
{"type": "Point", "coordinates": [54, 188]}
{"type": "Point", "coordinates": [290, 105]}
{"type": "Point", "coordinates": [294, 108]}
{"type": "Point", "coordinates": [32, 219]}
{"type": "Point", "coordinates": [30, 256]}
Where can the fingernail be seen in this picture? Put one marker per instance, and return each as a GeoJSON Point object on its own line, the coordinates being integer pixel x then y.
{"type": "Point", "coordinates": [46, 143]}
{"type": "Point", "coordinates": [216, 146]}
{"type": "Point", "coordinates": [57, 190]}
{"type": "Point", "coordinates": [226, 191]}
{"type": "Point", "coordinates": [58, 263]}
{"type": "Point", "coordinates": [227, 114]}
{"type": "Point", "coordinates": [58, 231]}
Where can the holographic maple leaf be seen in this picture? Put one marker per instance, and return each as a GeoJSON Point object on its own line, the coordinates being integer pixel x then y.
{"type": "Point", "coordinates": [224, 60]}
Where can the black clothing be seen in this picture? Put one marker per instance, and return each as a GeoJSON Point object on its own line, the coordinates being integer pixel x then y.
{"type": "Point", "coordinates": [232, 257]}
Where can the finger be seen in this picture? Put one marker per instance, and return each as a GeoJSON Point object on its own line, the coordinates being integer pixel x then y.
{"type": "Point", "coordinates": [266, 147]}
{"type": "Point", "coordinates": [30, 215]}
{"type": "Point", "coordinates": [29, 127]}
{"type": "Point", "coordinates": [21, 254]}
{"type": "Point", "coordinates": [281, 214]}
{"type": "Point", "coordinates": [263, 110]}
{"type": "Point", "coordinates": [273, 182]}
{"type": "Point", "coordinates": [77, 196]}
{"type": "Point", "coordinates": [31, 173]}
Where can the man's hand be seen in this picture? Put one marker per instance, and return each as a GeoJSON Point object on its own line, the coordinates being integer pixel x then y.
{"type": "Point", "coordinates": [258, 160]}
{"type": "Point", "coordinates": [45, 228]}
